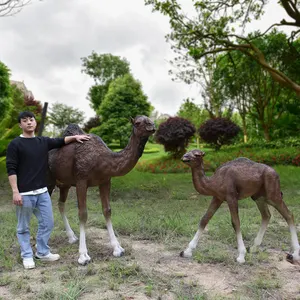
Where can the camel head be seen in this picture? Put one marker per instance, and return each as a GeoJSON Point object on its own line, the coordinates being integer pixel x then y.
{"type": "Point", "coordinates": [193, 158]}
{"type": "Point", "coordinates": [142, 126]}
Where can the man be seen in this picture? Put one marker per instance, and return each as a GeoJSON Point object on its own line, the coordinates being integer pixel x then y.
{"type": "Point", "coordinates": [27, 163]}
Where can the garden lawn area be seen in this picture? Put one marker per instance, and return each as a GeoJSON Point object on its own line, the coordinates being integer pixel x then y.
{"type": "Point", "coordinates": [155, 216]}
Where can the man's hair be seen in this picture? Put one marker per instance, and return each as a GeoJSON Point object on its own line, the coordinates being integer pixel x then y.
{"type": "Point", "coordinates": [25, 115]}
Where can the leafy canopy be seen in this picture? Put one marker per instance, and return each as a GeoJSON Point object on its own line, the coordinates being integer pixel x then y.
{"type": "Point", "coordinates": [124, 99]}
{"type": "Point", "coordinates": [103, 68]}
{"type": "Point", "coordinates": [214, 25]}
{"type": "Point", "coordinates": [61, 115]}
{"type": "Point", "coordinates": [5, 91]}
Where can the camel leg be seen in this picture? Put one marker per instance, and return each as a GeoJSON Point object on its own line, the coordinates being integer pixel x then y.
{"type": "Point", "coordinates": [213, 207]}
{"type": "Point", "coordinates": [235, 220]}
{"type": "Point", "coordinates": [265, 215]}
{"type": "Point", "coordinates": [104, 195]}
{"type": "Point", "coordinates": [81, 189]}
{"type": "Point", "coordinates": [288, 216]}
{"type": "Point", "coordinates": [63, 194]}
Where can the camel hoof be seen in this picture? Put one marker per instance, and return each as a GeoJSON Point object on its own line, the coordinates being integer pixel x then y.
{"type": "Point", "coordinates": [289, 258]}
{"type": "Point", "coordinates": [293, 258]}
{"type": "Point", "coordinates": [119, 251]}
{"type": "Point", "coordinates": [240, 260]}
{"type": "Point", "coordinates": [84, 259]}
{"type": "Point", "coordinates": [73, 239]}
{"type": "Point", "coordinates": [186, 254]}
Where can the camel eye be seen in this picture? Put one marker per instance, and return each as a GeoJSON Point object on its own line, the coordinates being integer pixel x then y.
{"type": "Point", "coordinates": [137, 123]}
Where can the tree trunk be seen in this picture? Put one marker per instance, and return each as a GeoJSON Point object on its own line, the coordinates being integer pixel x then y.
{"type": "Point", "coordinates": [245, 131]}
{"type": "Point", "coordinates": [266, 133]}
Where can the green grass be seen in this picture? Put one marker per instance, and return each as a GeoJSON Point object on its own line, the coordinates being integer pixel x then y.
{"type": "Point", "coordinates": [163, 208]}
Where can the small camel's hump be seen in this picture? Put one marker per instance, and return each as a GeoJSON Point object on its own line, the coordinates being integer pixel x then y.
{"type": "Point", "coordinates": [72, 129]}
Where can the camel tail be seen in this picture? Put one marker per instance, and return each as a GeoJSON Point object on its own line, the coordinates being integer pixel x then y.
{"type": "Point", "coordinates": [73, 129]}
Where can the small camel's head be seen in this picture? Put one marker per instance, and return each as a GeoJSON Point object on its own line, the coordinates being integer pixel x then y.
{"type": "Point", "coordinates": [193, 158]}
{"type": "Point", "coordinates": [143, 126]}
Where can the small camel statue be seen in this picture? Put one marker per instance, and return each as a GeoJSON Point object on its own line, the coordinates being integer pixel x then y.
{"type": "Point", "coordinates": [235, 180]}
{"type": "Point", "coordinates": [93, 164]}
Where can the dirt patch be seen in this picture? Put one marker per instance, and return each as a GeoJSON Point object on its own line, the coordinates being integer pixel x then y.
{"type": "Point", "coordinates": [157, 273]}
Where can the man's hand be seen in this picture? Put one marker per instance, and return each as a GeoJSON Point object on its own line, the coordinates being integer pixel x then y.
{"type": "Point", "coordinates": [82, 138]}
{"type": "Point", "coordinates": [17, 199]}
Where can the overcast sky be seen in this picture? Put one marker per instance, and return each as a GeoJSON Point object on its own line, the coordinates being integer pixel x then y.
{"type": "Point", "coordinates": [43, 44]}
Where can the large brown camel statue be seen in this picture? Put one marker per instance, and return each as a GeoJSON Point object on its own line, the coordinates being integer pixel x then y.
{"type": "Point", "coordinates": [90, 164]}
{"type": "Point", "coordinates": [233, 181]}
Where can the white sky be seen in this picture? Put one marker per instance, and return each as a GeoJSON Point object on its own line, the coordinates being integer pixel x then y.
{"type": "Point", "coordinates": [43, 44]}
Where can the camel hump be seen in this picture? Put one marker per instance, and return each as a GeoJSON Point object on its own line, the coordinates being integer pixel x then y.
{"type": "Point", "coordinates": [73, 129]}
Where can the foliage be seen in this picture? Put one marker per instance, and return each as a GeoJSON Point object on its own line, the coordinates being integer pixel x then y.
{"type": "Point", "coordinates": [174, 135]}
{"type": "Point", "coordinates": [33, 105]}
{"type": "Point", "coordinates": [251, 90]}
{"type": "Point", "coordinates": [91, 123]}
{"type": "Point", "coordinates": [219, 26]}
{"type": "Point", "coordinates": [124, 99]}
{"type": "Point", "coordinates": [103, 68]}
{"type": "Point", "coordinates": [12, 7]}
{"type": "Point", "coordinates": [192, 112]}
{"type": "Point", "coordinates": [61, 115]}
{"type": "Point", "coordinates": [218, 132]}
{"type": "Point", "coordinates": [290, 142]}
{"type": "Point", "coordinates": [5, 90]}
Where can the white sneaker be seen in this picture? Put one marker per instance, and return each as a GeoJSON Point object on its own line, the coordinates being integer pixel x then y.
{"type": "Point", "coordinates": [48, 257]}
{"type": "Point", "coordinates": [28, 263]}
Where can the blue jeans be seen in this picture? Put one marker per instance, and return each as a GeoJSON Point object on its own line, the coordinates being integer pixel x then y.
{"type": "Point", "coordinates": [41, 206]}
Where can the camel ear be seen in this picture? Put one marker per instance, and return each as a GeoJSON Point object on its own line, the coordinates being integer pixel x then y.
{"type": "Point", "coordinates": [131, 120]}
{"type": "Point", "coordinates": [199, 153]}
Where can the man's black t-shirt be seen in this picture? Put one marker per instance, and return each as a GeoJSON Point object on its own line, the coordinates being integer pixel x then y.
{"type": "Point", "coordinates": [28, 159]}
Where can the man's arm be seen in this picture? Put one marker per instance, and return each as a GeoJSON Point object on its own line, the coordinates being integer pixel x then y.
{"type": "Point", "coordinates": [17, 198]}
{"type": "Point", "coordinates": [12, 159]}
{"type": "Point", "coordinates": [77, 138]}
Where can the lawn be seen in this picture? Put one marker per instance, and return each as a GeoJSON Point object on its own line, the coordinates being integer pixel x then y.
{"type": "Point", "coordinates": [155, 216]}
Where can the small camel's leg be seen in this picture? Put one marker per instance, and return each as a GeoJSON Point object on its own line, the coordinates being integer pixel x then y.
{"type": "Point", "coordinates": [265, 215]}
{"type": "Point", "coordinates": [63, 194]}
{"type": "Point", "coordinates": [235, 220]}
{"type": "Point", "coordinates": [81, 189]}
{"type": "Point", "coordinates": [288, 216]}
{"type": "Point", "coordinates": [104, 194]}
{"type": "Point", "coordinates": [213, 207]}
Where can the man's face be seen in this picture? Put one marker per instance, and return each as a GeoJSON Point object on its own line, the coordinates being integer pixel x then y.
{"type": "Point", "coordinates": [28, 125]}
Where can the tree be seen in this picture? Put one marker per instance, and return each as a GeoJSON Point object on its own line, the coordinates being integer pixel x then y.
{"type": "Point", "coordinates": [11, 7]}
{"type": "Point", "coordinates": [174, 134]}
{"type": "Point", "coordinates": [124, 99]}
{"type": "Point", "coordinates": [251, 88]}
{"type": "Point", "coordinates": [61, 115]}
{"type": "Point", "coordinates": [91, 123]}
{"type": "Point", "coordinates": [103, 68]}
{"type": "Point", "coordinates": [190, 71]}
{"type": "Point", "coordinates": [5, 91]}
{"type": "Point", "coordinates": [192, 112]}
{"type": "Point", "coordinates": [218, 132]}
{"type": "Point", "coordinates": [213, 30]}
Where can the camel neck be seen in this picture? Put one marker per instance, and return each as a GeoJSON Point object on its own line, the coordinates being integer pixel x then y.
{"type": "Point", "coordinates": [201, 181]}
{"type": "Point", "coordinates": [125, 160]}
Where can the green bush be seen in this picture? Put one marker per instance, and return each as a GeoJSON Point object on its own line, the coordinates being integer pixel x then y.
{"type": "Point", "coordinates": [213, 159]}
{"type": "Point", "coordinates": [262, 144]}
{"type": "Point", "coordinates": [3, 146]}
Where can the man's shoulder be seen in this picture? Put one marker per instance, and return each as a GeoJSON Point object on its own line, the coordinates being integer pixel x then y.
{"type": "Point", "coordinates": [15, 141]}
